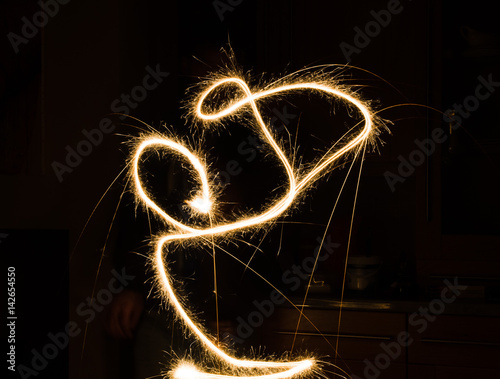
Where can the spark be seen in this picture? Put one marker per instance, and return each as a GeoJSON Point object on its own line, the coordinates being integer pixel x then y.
{"type": "Point", "coordinates": [205, 203]}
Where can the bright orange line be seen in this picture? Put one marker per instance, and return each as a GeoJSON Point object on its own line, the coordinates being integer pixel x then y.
{"type": "Point", "coordinates": [203, 202]}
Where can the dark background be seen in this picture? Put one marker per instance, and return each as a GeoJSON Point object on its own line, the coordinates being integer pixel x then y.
{"type": "Point", "coordinates": [441, 221]}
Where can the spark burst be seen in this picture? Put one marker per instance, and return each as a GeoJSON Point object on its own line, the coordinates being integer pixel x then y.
{"type": "Point", "coordinates": [205, 203]}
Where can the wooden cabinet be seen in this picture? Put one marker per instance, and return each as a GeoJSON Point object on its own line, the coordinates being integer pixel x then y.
{"type": "Point", "coordinates": [457, 341]}
{"type": "Point", "coordinates": [443, 372]}
{"type": "Point", "coordinates": [363, 343]}
{"type": "Point", "coordinates": [457, 225]}
{"type": "Point", "coordinates": [386, 344]}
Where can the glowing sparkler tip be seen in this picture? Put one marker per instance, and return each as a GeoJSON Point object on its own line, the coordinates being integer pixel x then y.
{"type": "Point", "coordinates": [186, 371]}
{"type": "Point", "coordinates": [309, 363]}
{"type": "Point", "coordinates": [201, 204]}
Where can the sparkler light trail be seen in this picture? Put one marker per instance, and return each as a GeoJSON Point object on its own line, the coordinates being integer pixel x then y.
{"type": "Point", "coordinates": [205, 203]}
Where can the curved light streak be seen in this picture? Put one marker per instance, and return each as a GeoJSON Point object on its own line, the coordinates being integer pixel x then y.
{"type": "Point", "coordinates": [203, 203]}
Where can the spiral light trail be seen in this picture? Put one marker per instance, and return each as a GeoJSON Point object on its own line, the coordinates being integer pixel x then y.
{"type": "Point", "coordinates": [203, 202]}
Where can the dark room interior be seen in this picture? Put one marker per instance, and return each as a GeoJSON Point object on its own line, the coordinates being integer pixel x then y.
{"type": "Point", "coordinates": [406, 237]}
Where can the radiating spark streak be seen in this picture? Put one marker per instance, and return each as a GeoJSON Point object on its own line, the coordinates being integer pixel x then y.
{"type": "Point", "coordinates": [347, 254]}
{"type": "Point", "coordinates": [215, 285]}
{"type": "Point", "coordinates": [329, 65]}
{"type": "Point", "coordinates": [203, 203]}
{"type": "Point", "coordinates": [94, 210]}
{"type": "Point", "coordinates": [257, 248]}
{"type": "Point", "coordinates": [104, 248]}
{"type": "Point", "coordinates": [337, 374]}
{"type": "Point", "coordinates": [291, 303]}
{"type": "Point", "coordinates": [301, 312]}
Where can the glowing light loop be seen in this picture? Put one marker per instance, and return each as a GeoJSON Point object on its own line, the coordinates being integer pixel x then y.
{"type": "Point", "coordinates": [203, 202]}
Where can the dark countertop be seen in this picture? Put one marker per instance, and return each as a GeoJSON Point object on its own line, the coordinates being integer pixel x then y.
{"type": "Point", "coordinates": [460, 307]}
